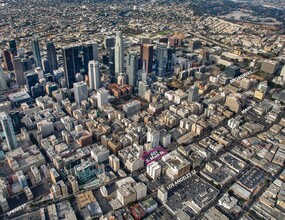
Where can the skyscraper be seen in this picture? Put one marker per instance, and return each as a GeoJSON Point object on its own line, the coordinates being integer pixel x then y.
{"type": "Point", "coordinates": [132, 69]}
{"type": "Point", "coordinates": [80, 92]}
{"type": "Point", "coordinates": [90, 52]}
{"type": "Point", "coordinates": [94, 74]}
{"type": "Point", "coordinates": [72, 64]}
{"type": "Point", "coordinates": [193, 94]}
{"type": "Point", "coordinates": [51, 56]}
{"type": "Point", "coordinates": [146, 57]}
{"type": "Point", "coordinates": [13, 47]}
{"type": "Point", "coordinates": [161, 59]}
{"type": "Point", "coordinates": [112, 62]}
{"type": "Point", "coordinates": [169, 60]}
{"type": "Point", "coordinates": [18, 69]}
{"type": "Point", "coordinates": [102, 97]}
{"type": "Point", "coordinates": [119, 54]}
{"type": "Point", "coordinates": [8, 131]}
{"type": "Point", "coordinates": [3, 82]}
{"type": "Point", "coordinates": [31, 79]}
{"type": "Point", "coordinates": [37, 53]}
{"type": "Point", "coordinates": [109, 42]}
{"type": "Point", "coordinates": [7, 60]}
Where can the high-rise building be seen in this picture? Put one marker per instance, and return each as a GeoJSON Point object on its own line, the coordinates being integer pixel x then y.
{"type": "Point", "coordinates": [153, 137]}
{"type": "Point", "coordinates": [80, 92]}
{"type": "Point", "coordinates": [90, 52]}
{"type": "Point", "coordinates": [73, 183]}
{"type": "Point", "coordinates": [114, 162]}
{"type": "Point", "coordinates": [8, 129]}
{"type": "Point", "coordinates": [169, 59]}
{"type": "Point", "coordinates": [121, 79]}
{"type": "Point", "coordinates": [161, 59]}
{"type": "Point", "coordinates": [3, 82]}
{"type": "Point", "coordinates": [112, 62]}
{"type": "Point", "coordinates": [109, 42]}
{"type": "Point", "coordinates": [146, 57]}
{"type": "Point", "coordinates": [72, 64]}
{"type": "Point", "coordinates": [45, 65]}
{"type": "Point", "coordinates": [102, 97]}
{"type": "Point", "coordinates": [13, 47]}
{"type": "Point", "coordinates": [18, 69]}
{"type": "Point", "coordinates": [31, 79]}
{"type": "Point", "coordinates": [153, 170]}
{"type": "Point", "coordinates": [85, 171]}
{"type": "Point", "coordinates": [132, 69]}
{"type": "Point", "coordinates": [51, 57]}
{"type": "Point", "coordinates": [37, 53]}
{"type": "Point", "coordinates": [119, 54]}
{"type": "Point", "coordinates": [94, 74]}
{"type": "Point", "coordinates": [269, 66]}
{"type": "Point", "coordinates": [193, 94]}
{"type": "Point", "coordinates": [143, 87]}
{"type": "Point", "coordinates": [194, 44]}
{"type": "Point", "coordinates": [7, 60]}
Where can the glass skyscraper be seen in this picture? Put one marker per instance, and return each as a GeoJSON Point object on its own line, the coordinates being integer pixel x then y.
{"type": "Point", "coordinates": [72, 64]}
{"type": "Point", "coordinates": [8, 130]}
{"type": "Point", "coordinates": [37, 53]}
{"type": "Point", "coordinates": [51, 56]}
{"type": "Point", "coordinates": [13, 47]}
{"type": "Point", "coordinates": [132, 69]}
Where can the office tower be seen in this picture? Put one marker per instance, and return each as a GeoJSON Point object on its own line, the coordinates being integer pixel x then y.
{"type": "Point", "coordinates": [269, 66]}
{"type": "Point", "coordinates": [40, 72]}
{"type": "Point", "coordinates": [94, 75]}
{"type": "Point", "coordinates": [132, 69]}
{"type": "Point", "coordinates": [45, 65]}
{"type": "Point", "coordinates": [145, 40]}
{"type": "Point", "coordinates": [146, 57]}
{"type": "Point", "coordinates": [31, 79]}
{"type": "Point", "coordinates": [78, 77]}
{"type": "Point", "coordinates": [16, 120]}
{"type": "Point", "coordinates": [232, 71]}
{"type": "Point", "coordinates": [194, 44]}
{"type": "Point", "coordinates": [90, 52]}
{"type": "Point", "coordinates": [72, 64]}
{"type": "Point", "coordinates": [169, 59]}
{"type": "Point", "coordinates": [174, 41]}
{"type": "Point", "coordinates": [193, 94]}
{"type": "Point", "coordinates": [73, 183]}
{"type": "Point", "coordinates": [8, 129]}
{"type": "Point", "coordinates": [3, 82]}
{"type": "Point", "coordinates": [204, 56]}
{"type": "Point", "coordinates": [27, 64]}
{"type": "Point", "coordinates": [36, 53]}
{"type": "Point", "coordinates": [13, 47]}
{"type": "Point", "coordinates": [112, 62]}
{"type": "Point", "coordinates": [119, 54]}
{"type": "Point", "coordinates": [161, 59]}
{"type": "Point", "coordinates": [121, 79]}
{"type": "Point", "coordinates": [109, 42]}
{"type": "Point", "coordinates": [143, 87]}
{"type": "Point", "coordinates": [114, 162]}
{"type": "Point", "coordinates": [153, 137]}
{"type": "Point", "coordinates": [102, 97]}
{"type": "Point", "coordinates": [51, 57]}
{"type": "Point", "coordinates": [85, 171]}
{"type": "Point", "coordinates": [8, 65]}
{"type": "Point", "coordinates": [105, 58]}
{"type": "Point", "coordinates": [80, 92]}
{"type": "Point", "coordinates": [37, 90]}
{"type": "Point", "coordinates": [153, 170]}
{"type": "Point", "coordinates": [19, 72]}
